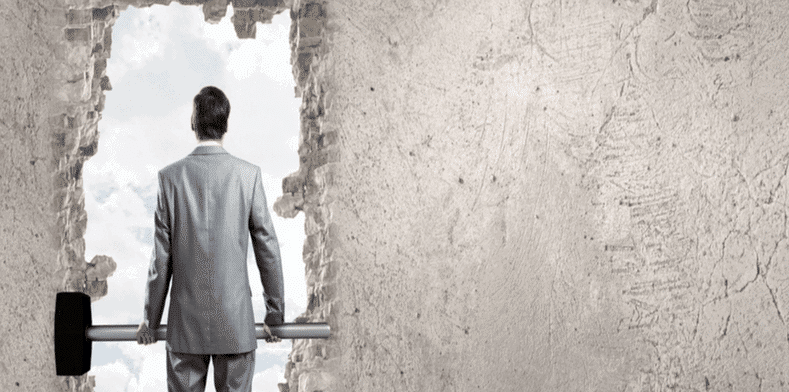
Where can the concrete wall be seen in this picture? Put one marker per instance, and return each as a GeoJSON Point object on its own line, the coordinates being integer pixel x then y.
{"type": "Point", "coordinates": [547, 195]}
{"type": "Point", "coordinates": [41, 216]}
{"type": "Point", "coordinates": [502, 195]}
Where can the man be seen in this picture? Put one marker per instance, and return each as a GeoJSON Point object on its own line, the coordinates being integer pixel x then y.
{"type": "Point", "coordinates": [209, 204]}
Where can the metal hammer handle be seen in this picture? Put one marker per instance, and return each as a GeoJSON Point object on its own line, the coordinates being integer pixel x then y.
{"type": "Point", "coordinates": [101, 333]}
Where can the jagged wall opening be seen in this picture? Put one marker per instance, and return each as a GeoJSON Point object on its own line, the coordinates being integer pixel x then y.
{"type": "Point", "coordinates": [161, 55]}
{"type": "Point", "coordinates": [82, 28]}
{"type": "Point", "coordinates": [69, 64]}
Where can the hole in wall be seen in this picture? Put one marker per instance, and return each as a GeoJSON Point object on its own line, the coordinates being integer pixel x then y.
{"type": "Point", "coordinates": [160, 58]}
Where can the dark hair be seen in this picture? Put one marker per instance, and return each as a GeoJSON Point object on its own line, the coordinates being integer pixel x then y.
{"type": "Point", "coordinates": [211, 111]}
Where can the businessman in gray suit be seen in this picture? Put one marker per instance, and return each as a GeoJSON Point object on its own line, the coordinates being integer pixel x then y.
{"type": "Point", "coordinates": [209, 204]}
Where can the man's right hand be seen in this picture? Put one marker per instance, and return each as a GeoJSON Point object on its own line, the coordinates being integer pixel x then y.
{"type": "Point", "coordinates": [145, 335]}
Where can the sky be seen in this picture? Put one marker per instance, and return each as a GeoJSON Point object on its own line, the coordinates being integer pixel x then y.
{"type": "Point", "coordinates": [161, 57]}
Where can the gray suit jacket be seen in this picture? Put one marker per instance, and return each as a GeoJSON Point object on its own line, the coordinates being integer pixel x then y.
{"type": "Point", "coordinates": [208, 205]}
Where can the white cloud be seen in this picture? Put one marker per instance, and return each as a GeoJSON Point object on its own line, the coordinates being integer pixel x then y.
{"type": "Point", "coordinates": [132, 150]}
{"type": "Point", "coordinates": [133, 51]}
{"type": "Point", "coordinates": [267, 380]}
{"type": "Point", "coordinates": [293, 143]}
{"type": "Point", "coordinates": [113, 377]}
{"type": "Point", "coordinates": [152, 375]}
{"type": "Point", "coordinates": [259, 56]}
{"type": "Point", "coordinates": [149, 33]}
{"type": "Point", "coordinates": [269, 52]}
{"type": "Point", "coordinates": [222, 35]}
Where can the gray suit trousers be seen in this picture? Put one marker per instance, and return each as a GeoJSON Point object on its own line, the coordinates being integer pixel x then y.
{"type": "Point", "coordinates": [232, 372]}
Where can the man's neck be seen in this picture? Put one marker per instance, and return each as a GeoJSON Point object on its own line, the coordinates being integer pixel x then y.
{"type": "Point", "coordinates": [210, 142]}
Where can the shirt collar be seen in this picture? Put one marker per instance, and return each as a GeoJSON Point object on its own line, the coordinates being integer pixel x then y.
{"type": "Point", "coordinates": [210, 143]}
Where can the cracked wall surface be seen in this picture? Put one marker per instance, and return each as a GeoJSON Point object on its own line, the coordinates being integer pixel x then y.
{"type": "Point", "coordinates": [543, 195]}
{"type": "Point", "coordinates": [506, 195]}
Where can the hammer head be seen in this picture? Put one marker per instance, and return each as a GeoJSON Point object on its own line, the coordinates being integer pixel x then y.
{"type": "Point", "coordinates": [72, 348]}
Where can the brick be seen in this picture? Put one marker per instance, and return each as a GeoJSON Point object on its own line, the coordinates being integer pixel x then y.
{"type": "Point", "coordinates": [325, 175]}
{"type": "Point", "coordinates": [99, 67]}
{"type": "Point", "coordinates": [75, 170]}
{"type": "Point", "coordinates": [76, 91]}
{"type": "Point", "coordinates": [327, 272]}
{"type": "Point", "coordinates": [311, 257]}
{"type": "Point", "coordinates": [100, 106]}
{"type": "Point", "coordinates": [61, 199]}
{"type": "Point", "coordinates": [312, 11]}
{"type": "Point", "coordinates": [311, 226]}
{"type": "Point", "coordinates": [84, 34]}
{"type": "Point", "coordinates": [89, 150]}
{"type": "Point", "coordinates": [292, 184]}
{"type": "Point", "coordinates": [107, 41]}
{"type": "Point", "coordinates": [276, 4]}
{"type": "Point", "coordinates": [58, 120]}
{"type": "Point", "coordinates": [74, 281]}
{"type": "Point", "coordinates": [244, 29]}
{"type": "Point", "coordinates": [97, 49]}
{"type": "Point", "coordinates": [327, 139]}
{"type": "Point", "coordinates": [243, 4]}
{"type": "Point", "coordinates": [100, 267]}
{"type": "Point", "coordinates": [105, 83]}
{"type": "Point", "coordinates": [310, 27]}
{"type": "Point", "coordinates": [313, 109]}
{"type": "Point", "coordinates": [302, 66]}
{"type": "Point", "coordinates": [98, 31]}
{"type": "Point", "coordinates": [313, 302]}
{"type": "Point", "coordinates": [78, 17]}
{"type": "Point", "coordinates": [262, 15]}
{"type": "Point", "coordinates": [215, 10]}
{"type": "Point", "coordinates": [104, 14]}
{"type": "Point", "coordinates": [96, 289]}
{"type": "Point", "coordinates": [81, 224]}
{"type": "Point", "coordinates": [288, 205]}
{"type": "Point", "coordinates": [307, 44]}
{"type": "Point", "coordinates": [313, 241]}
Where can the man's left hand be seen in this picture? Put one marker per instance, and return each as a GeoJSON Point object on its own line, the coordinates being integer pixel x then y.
{"type": "Point", "coordinates": [271, 337]}
{"type": "Point", "coordinates": [145, 335]}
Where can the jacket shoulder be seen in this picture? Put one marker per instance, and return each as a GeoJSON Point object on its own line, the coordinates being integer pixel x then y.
{"type": "Point", "coordinates": [226, 159]}
{"type": "Point", "coordinates": [245, 168]}
{"type": "Point", "coordinates": [242, 163]}
{"type": "Point", "coordinates": [172, 168]}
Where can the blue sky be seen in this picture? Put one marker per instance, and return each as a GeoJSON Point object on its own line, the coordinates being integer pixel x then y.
{"type": "Point", "coordinates": [161, 57]}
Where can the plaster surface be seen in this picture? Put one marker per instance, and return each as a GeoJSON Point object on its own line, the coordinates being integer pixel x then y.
{"type": "Point", "coordinates": [547, 195]}
{"type": "Point", "coordinates": [507, 196]}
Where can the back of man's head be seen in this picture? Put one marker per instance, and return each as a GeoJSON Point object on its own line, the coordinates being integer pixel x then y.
{"type": "Point", "coordinates": [211, 112]}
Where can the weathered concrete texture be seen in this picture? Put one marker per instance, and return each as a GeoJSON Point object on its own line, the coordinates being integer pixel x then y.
{"type": "Point", "coordinates": [53, 73]}
{"type": "Point", "coordinates": [31, 234]}
{"type": "Point", "coordinates": [545, 196]}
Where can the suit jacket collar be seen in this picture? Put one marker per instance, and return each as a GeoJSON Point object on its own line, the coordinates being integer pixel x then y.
{"type": "Point", "coordinates": [206, 150]}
